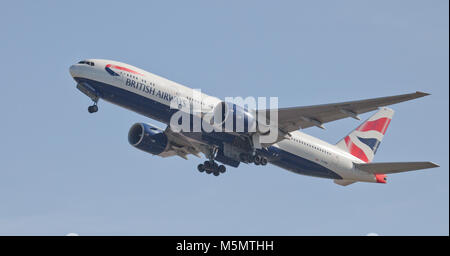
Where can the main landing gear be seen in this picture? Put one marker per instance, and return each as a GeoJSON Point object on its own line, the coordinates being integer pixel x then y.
{"type": "Point", "coordinates": [211, 167]}
{"type": "Point", "coordinates": [259, 160]}
{"type": "Point", "coordinates": [256, 159]}
{"type": "Point", "coordinates": [93, 108]}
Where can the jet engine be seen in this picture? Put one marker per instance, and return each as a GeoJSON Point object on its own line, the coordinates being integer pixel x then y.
{"type": "Point", "coordinates": [233, 118]}
{"type": "Point", "coordinates": [148, 138]}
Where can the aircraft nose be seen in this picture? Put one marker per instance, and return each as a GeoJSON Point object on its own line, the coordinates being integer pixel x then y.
{"type": "Point", "coordinates": [74, 70]}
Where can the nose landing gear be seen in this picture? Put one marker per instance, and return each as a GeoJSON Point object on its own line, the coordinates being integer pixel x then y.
{"type": "Point", "coordinates": [89, 91]}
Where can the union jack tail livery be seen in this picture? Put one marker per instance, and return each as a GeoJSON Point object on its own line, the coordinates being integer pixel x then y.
{"type": "Point", "coordinates": [364, 141]}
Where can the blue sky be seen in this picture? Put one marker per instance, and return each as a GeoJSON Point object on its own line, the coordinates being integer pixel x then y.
{"type": "Point", "coordinates": [63, 170]}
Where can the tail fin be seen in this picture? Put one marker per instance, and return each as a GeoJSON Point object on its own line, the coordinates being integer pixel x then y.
{"type": "Point", "coordinates": [364, 141]}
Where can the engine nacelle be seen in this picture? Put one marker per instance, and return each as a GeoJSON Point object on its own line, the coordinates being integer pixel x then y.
{"type": "Point", "coordinates": [148, 138]}
{"type": "Point", "coordinates": [233, 118]}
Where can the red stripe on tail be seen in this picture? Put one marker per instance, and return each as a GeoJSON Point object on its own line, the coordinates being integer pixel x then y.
{"type": "Point", "coordinates": [379, 125]}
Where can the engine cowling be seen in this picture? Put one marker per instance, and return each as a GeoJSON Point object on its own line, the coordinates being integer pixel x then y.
{"type": "Point", "coordinates": [148, 138]}
{"type": "Point", "coordinates": [233, 118]}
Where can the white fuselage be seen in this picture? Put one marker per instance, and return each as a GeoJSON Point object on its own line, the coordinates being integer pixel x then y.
{"type": "Point", "coordinates": [161, 90]}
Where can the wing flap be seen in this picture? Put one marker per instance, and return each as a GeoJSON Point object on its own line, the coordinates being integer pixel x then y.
{"type": "Point", "coordinates": [179, 145]}
{"type": "Point", "coordinates": [394, 167]}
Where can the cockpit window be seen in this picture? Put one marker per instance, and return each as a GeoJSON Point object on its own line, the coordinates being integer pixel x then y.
{"type": "Point", "coordinates": [90, 63]}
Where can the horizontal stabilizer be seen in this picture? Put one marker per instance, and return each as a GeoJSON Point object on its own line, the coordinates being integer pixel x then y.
{"type": "Point", "coordinates": [387, 168]}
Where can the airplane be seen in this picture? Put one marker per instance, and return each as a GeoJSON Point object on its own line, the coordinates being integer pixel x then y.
{"type": "Point", "coordinates": [346, 162]}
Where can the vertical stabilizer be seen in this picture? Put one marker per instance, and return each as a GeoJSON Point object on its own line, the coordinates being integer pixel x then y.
{"type": "Point", "coordinates": [364, 141]}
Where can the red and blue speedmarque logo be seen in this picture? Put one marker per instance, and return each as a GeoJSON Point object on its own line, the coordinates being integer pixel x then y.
{"type": "Point", "coordinates": [109, 67]}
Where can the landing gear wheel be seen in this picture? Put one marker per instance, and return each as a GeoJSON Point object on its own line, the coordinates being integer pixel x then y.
{"type": "Point", "coordinates": [263, 161]}
{"type": "Point", "coordinates": [210, 166]}
{"type": "Point", "coordinates": [222, 169]}
{"type": "Point", "coordinates": [93, 108]}
{"type": "Point", "coordinates": [257, 160]}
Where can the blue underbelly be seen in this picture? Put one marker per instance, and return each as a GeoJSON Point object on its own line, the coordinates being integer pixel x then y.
{"type": "Point", "coordinates": [298, 164]}
{"type": "Point", "coordinates": [132, 101]}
